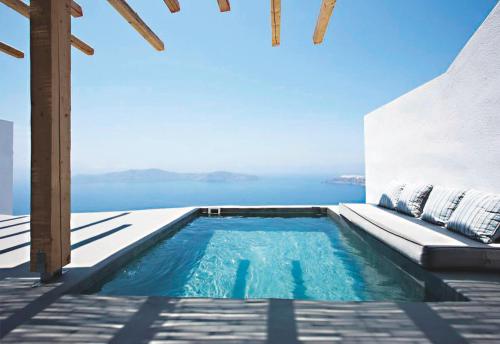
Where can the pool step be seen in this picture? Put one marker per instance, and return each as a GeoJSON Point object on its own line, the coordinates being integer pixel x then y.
{"type": "Point", "coordinates": [214, 211]}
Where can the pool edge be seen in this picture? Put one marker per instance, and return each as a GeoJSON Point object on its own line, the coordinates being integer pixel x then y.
{"type": "Point", "coordinates": [106, 268]}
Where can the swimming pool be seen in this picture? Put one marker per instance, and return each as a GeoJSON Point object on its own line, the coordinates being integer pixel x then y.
{"type": "Point", "coordinates": [314, 258]}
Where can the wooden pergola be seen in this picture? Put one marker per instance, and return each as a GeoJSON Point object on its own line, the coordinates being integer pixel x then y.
{"type": "Point", "coordinates": [50, 57]}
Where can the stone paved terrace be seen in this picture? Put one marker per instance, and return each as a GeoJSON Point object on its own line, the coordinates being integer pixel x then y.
{"type": "Point", "coordinates": [57, 312]}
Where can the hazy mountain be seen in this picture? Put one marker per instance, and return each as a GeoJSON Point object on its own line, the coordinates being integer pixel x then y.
{"type": "Point", "coordinates": [158, 176]}
{"type": "Point", "coordinates": [347, 179]}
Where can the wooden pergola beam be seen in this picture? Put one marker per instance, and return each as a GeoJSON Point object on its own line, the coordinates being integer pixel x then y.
{"type": "Point", "coordinates": [18, 6]}
{"type": "Point", "coordinates": [82, 46]}
{"type": "Point", "coordinates": [173, 5]}
{"type": "Point", "coordinates": [11, 51]}
{"type": "Point", "coordinates": [137, 23]}
{"type": "Point", "coordinates": [276, 21]}
{"type": "Point", "coordinates": [50, 56]}
{"type": "Point", "coordinates": [76, 10]}
{"type": "Point", "coordinates": [323, 19]}
{"type": "Point", "coordinates": [224, 5]}
{"type": "Point", "coordinates": [24, 9]}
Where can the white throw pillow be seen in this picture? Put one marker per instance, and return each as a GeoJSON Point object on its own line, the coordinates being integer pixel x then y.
{"type": "Point", "coordinates": [390, 196]}
{"type": "Point", "coordinates": [441, 204]}
{"type": "Point", "coordinates": [412, 199]}
{"type": "Point", "coordinates": [477, 216]}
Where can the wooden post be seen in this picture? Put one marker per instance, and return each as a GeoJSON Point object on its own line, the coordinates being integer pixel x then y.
{"type": "Point", "coordinates": [50, 32]}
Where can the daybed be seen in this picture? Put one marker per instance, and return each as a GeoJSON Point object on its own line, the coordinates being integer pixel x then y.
{"type": "Point", "coordinates": [431, 246]}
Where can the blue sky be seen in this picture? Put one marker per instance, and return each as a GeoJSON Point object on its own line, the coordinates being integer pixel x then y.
{"type": "Point", "coordinates": [221, 98]}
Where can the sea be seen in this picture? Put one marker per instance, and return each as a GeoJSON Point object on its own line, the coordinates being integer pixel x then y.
{"type": "Point", "coordinates": [272, 190]}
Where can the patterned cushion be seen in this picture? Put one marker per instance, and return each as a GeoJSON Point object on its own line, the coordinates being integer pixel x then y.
{"type": "Point", "coordinates": [412, 199]}
{"type": "Point", "coordinates": [477, 216]}
{"type": "Point", "coordinates": [389, 199]}
{"type": "Point", "coordinates": [441, 204]}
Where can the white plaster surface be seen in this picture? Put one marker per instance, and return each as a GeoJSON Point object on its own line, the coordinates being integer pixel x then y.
{"type": "Point", "coordinates": [140, 223]}
{"type": "Point", "coordinates": [447, 131]}
{"type": "Point", "coordinates": [6, 166]}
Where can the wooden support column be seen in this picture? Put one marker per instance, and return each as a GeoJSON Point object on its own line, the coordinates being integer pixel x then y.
{"type": "Point", "coordinates": [50, 32]}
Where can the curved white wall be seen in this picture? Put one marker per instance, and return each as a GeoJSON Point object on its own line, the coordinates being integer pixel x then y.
{"type": "Point", "coordinates": [6, 163]}
{"type": "Point", "coordinates": [447, 131]}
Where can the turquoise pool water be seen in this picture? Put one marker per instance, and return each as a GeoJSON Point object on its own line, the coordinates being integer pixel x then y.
{"type": "Point", "coordinates": [265, 257]}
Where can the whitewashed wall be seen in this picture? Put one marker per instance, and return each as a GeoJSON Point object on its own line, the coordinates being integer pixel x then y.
{"type": "Point", "coordinates": [447, 131]}
{"type": "Point", "coordinates": [6, 166]}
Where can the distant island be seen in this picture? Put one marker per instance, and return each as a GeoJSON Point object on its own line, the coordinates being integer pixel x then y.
{"type": "Point", "coordinates": [351, 179]}
{"type": "Point", "coordinates": [160, 176]}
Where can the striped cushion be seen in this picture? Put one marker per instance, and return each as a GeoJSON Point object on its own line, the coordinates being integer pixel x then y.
{"type": "Point", "coordinates": [477, 216]}
{"type": "Point", "coordinates": [412, 199]}
{"type": "Point", "coordinates": [441, 204]}
{"type": "Point", "coordinates": [389, 199]}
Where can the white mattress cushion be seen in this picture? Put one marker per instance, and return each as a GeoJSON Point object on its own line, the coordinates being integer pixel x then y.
{"type": "Point", "coordinates": [441, 204]}
{"type": "Point", "coordinates": [410, 228]}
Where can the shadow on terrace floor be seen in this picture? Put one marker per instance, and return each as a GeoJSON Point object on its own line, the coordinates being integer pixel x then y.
{"type": "Point", "coordinates": [18, 299]}
{"type": "Point", "coordinates": [24, 231]}
{"type": "Point", "coordinates": [101, 319]}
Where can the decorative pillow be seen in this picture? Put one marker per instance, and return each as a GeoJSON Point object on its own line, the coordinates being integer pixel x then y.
{"type": "Point", "coordinates": [412, 199]}
{"type": "Point", "coordinates": [441, 204]}
{"type": "Point", "coordinates": [477, 216]}
{"type": "Point", "coordinates": [389, 199]}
